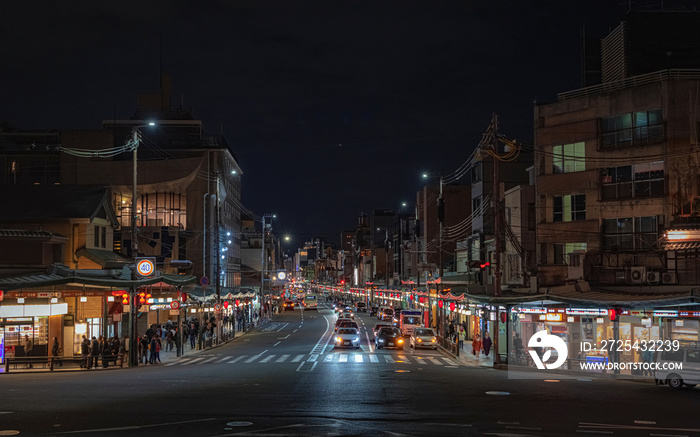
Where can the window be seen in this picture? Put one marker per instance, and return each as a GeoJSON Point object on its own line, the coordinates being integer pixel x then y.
{"type": "Point", "coordinates": [103, 237]}
{"type": "Point", "coordinates": [632, 129]}
{"type": "Point", "coordinates": [562, 252]}
{"type": "Point", "coordinates": [477, 172]}
{"type": "Point", "coordinates": [569, 208]}
{"type": "Point", "coordinates": [638, 180]}
{"type": "Point", "coordinates": [630, 233]}
{"type": "Point", "coordinates": [96, 237]}
{"type": "Point", "coordinates": [569, 158]}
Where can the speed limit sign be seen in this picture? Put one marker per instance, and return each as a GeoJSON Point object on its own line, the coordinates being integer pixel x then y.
{"type": "Point", "coordinates": [217, 307]}
{"type": "Point", "coordinates": [175, 304]}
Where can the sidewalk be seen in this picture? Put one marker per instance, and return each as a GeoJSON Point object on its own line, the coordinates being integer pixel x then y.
{"type": "Point", "coordinates": [165, 357]}
{"type": "Point", "coordinates": [468, 359]}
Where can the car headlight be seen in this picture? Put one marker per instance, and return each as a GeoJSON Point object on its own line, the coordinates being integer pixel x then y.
{"type": "Point", "coordinates": [357, 339]}
{"type": "Point", "coordinates": [419, 340]}
{"type": "Point", "coordinates": [400, 341]}
{"type": "Point", "coordinates": [434, 340]}
{"type": "Point", "coordinates": [381, 341]}
{"type": "Point", "coordinates": [338, 339]}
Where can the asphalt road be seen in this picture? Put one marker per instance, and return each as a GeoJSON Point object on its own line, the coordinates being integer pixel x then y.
{"type": "Point", "coordinates": [285, 379]}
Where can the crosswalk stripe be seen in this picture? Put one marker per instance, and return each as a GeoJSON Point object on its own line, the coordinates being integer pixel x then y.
{"type": "Point", "coordinates": [223, 359]}
{"type": "Point", "coordinates": [313, 357]}
{"type": "Point", "coordinates": [435, 361]}
{"type": "Point", "coordinates": [449, 361]}
{"type": "Point", "coordinates": [298, 358]}
{"type": "Point", "coordinates": [388, 359]}
{"type": "Point", "coordinates": [192, 361]}
{"type": "Point", "coordinates": [420, 361]}
{"type": "Point", "coordinates": [359, 359]}
{"type": "Point", "coordinates": [343, 358]}
{"type": "Point", "coordinates": [237, 359]}
{"type": "Point", "coordinates": [209, 360]}
{"type": "Point", "coordinates": [282, 358]}
{"type": "Point", "coordinates": [253, 358]}
{"type": "Point", "coordinates": [373, 358]}
{"type": "Point", "coordinates": [173, 363]}
{"type": "Point", "coordinates": [404, 359]}
{"type": "Point", "coordinates": [328, 358]}
{"type": "Point", "coordinates": [267, 358]}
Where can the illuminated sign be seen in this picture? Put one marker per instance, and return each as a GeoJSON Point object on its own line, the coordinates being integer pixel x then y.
{"type": "Point", "coordinates": [586, 312]}
{"type": "Point", "coordinates": [665, 313]}
{"type": "Point", "coordinates": [689, 313]}
{"type": "Point", "coordinates": [145, 266]}
{"type": "Point", "coordinates": [554, 317]}
{"type": "Point", "coordinates": [533, 310]}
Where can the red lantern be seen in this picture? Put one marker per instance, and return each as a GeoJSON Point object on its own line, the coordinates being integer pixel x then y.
{"type": "Point", "coordinates": [504, 317]}
{"type": "Point", "coordinates": [452, 306]}
{"type": "Point", "coordinates": [420, 299]}
{"type": "Point", "coordinates": [125, 299]}
{"type": "Point", "coordinates": [184, 297]}
{"type": "Point", "coordinates": [225, 304]}
{"type": "Point", "coordinates": [410, 297]}
{"type": "Point", "coordinates": [238, 302]}
{"type": "Point", "coordinates": [440, 304]}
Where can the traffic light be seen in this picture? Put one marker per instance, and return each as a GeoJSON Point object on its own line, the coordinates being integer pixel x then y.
{"type": "Point", "coordinates": [483, 265]}
{"type": "Point", "coordinates": [614, 313]}
{"type": "Point", "coordinates": [478, 265]}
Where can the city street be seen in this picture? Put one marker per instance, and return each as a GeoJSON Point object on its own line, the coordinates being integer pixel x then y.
{"type": "Point", "coordinates": [285, 378]}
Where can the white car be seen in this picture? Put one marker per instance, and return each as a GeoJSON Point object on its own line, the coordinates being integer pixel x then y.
{"type": "Point", "coordinates": [688, 375]}
{"type": "Point", "coordinates": [423, 337]}
{"type": "Point", "coordinates": [347, 337]}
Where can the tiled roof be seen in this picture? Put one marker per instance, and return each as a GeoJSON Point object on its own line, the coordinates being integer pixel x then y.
{"type": "Point", "coordinates": [683, 245]}
{"type": "Point", "coordinates": [22, 234]}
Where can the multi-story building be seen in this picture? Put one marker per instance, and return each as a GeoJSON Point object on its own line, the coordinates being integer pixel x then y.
{"type": "Point", "coordinates": [617, 163]}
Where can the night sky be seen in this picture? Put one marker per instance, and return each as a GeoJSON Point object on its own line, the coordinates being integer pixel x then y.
{"type": "Point", "coordinates": [333, 108]}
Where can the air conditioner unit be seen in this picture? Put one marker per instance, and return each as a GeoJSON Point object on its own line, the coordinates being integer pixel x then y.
{"type": "Point", "coordinates": [669, 278]}
{"type": "Point", "coordinates": [637, 275]}
{"type": "Point", "coordinates": [653, 277]}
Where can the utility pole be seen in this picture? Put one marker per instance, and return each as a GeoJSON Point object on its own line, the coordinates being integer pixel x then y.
{"type": "Point", "coordinates": [441, 219]}
{"type": "Point", "coordinates": [497, 234]}
{"type": "Point", "coordinates": [262, 260]}
{"type": "Point", "coordinates": [133, 343]}
{"type": "Point", "coordinates": [218, 259]}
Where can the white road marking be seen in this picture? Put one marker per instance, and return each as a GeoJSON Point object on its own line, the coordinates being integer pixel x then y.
{"type": "Point", "coordinates": [313, 357]}
{"type": "Point", "coordinates": [420, 361]}
{"type": "Point", "coordinates": [192, 361]}
{"type": "Point", "coordinates": [267, 358]}
{"type": "Point", "coordinates": [282, 359]}
{"type": "Point", "coordinates": [237, 359]}
{"type": "Point", "coordinates": [276, 343]}
{"type": "Point", "coordinates": [328, 358]}
{"type": "Point", "coordinates": [435, 361]}
{"type": "Point", "coordinates": [404, 359]}
{"type": "Point", "coordinates": [223, 359]}
{"type": "Point", "coordinates": [359, 359]}
{"type": "Point", "coordinates": [255, 357]}
{"type": "Point", "coordinates": [449, 361]}
{"type": "Point", "coordinates": [283, 326]}
{"type": "Point", "coordinates": [124, 428]}
{"type": "Point", "coordinates": [373, 358]}
{"type": "Point", "coordinates": [343, 358]}
{"type": "Point", "coordinates": [301, 365]}
{"type": "Point", "coordinates": [298, 358]}
{"type": "Point", "coordinates": [371, 346]}
{"type": "Point", "coordinates": [388, 359]}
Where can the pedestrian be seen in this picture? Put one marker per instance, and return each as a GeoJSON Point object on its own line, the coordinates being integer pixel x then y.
{"type": "Point", "coordinates": [28, 348]}
{"type": "Point", "coordinates": [518, 347]}
{"type": "Point", "coordinates": [94, 353]}
{"type": "Point", "coordinates": [476, 345]}
{"type": "Point", "coordinates": [143, 349]}
{"type": "Point", "coordinates": [169, 339]}
{"type": "Point", "coordinates": [461, 336]}
{"type": "Point", "coordinates": [120, 352]}
{"type": "Point", "coordinates": [193, 335]}
{"type": "Point", "coordinates": [158, 347]}
{"type": "Point", "coordinates": [84, 352]}
{"type": "Point", "coordinates": [152, 348]}
{"type": "Point", "coordinates": [106, 352]}
{"type": "Point", "coordinates": [55, 350]}
{"type": "Point", "coordinates": [487, 344]}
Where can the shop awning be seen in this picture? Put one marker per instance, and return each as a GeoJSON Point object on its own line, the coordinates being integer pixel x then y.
{"type": "Point", "coordinates": [54, 279]}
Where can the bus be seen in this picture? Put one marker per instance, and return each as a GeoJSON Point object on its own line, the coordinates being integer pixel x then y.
{"type": "Point", "coordinates": [310, 302]}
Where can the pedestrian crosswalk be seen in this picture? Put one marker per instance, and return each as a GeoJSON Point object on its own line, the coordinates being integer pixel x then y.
{"type": "Point", "coordinates": [330, 358]}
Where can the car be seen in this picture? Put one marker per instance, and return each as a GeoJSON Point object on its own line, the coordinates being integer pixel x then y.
{"type": "Point", "coordinates": [669, 362]}
{"type": "Point", "coordinates": [373, 311]}
{"type": "Point", "coordinates": [389, 338]}
{"type": "Point", "coordinates": [347, 337]}
{"type": "Point", "coordinates": [348, 310]}
{"type": "Point", "coordinates": [387, 314]}
{"type": "Point", "coordinates": [423, 338]}
{"type": "Point", "coordinates": [344, 316]}
{"type": "Point", "coordinates": [289, 305]}
{"type": "Point", "coordinates": [361, 306]}
{"type": "Point", "coordinates": [347, 324]}
{"type": "Point", "coordinates": [379, 326]}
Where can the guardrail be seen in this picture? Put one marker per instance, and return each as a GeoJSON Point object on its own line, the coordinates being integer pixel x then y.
{"type": "Point", "coordinates": [52, 362]}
